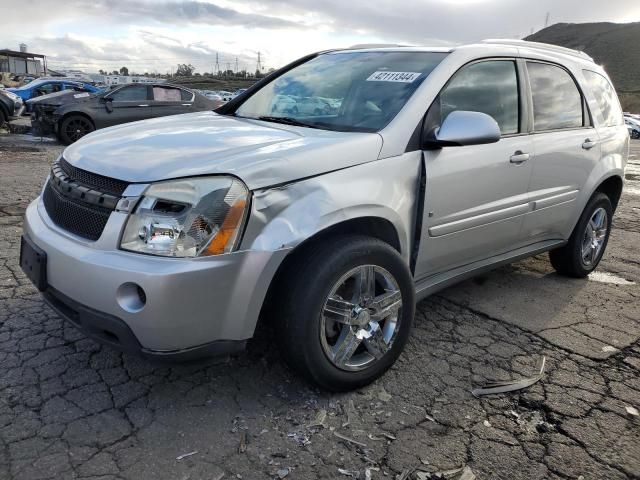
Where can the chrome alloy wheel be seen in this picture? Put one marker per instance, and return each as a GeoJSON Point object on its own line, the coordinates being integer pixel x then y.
{"type": "Point", "coordinates": [594, 237]}
{"type": "Point", "coordinates": [360, 318]}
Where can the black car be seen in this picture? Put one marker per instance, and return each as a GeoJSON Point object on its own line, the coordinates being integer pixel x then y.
{"type": "Point", "coordinates": [71, 115]}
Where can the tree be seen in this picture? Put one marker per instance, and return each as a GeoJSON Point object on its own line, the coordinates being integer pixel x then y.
{"type": "Point", "coordinates": [185, 70]}
{"type": "Point", "coordinates": [124, 71]}
{"type": "Point", "coordinates": [101, 72]}
{"type": "Point", "coordinates": [115, 72]}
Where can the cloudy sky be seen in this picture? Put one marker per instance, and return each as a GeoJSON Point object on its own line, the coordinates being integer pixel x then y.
{"type": "Point", "coordinates": [155, 35]}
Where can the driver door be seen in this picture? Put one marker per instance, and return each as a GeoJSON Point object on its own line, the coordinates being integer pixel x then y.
{"type": "Point", "coordinates": [476, 196]}
{"type": "Point", "coordinates": [128, 104]}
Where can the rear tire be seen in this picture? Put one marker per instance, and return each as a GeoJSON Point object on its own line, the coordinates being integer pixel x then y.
{"type": "Point", "coordinates": [73, 128]}
{"type": "Point", "coordinates": [3, 117]}
{"type": "Point", "coordinates": [327, 283]}
{"type": "Point", "coordinates": [588, 242]}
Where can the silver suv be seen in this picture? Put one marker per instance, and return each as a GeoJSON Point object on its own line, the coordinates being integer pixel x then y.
{"type": "Point", "coordinates": [171, 237]}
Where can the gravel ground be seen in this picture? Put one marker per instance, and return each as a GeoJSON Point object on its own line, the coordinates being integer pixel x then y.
{"type": "Point", "coordinates": [70, 408]}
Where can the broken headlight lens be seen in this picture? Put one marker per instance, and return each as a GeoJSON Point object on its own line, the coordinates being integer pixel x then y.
{"type": "Point", "coordinates": [188, 218]}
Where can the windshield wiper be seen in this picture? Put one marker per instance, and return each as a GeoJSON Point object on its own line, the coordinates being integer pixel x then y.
{"type": "Point", "coordinates": [286, 121]}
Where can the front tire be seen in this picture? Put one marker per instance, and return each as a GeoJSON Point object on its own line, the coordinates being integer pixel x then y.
{"type": "Point", "coordinates": [346, 310]}
{"type": "Point", "coordinates": [74, 127]}
{"type": "Point", "coordinates": [585, 248]}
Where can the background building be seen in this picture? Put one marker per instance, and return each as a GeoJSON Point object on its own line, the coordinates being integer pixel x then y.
{"type": "Point", "coordinates": [22, 62]}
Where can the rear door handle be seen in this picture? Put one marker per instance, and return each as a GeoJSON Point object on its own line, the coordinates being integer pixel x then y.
{"type": "Point", "coordinates": [519, 157]}
{"type": "Point", "coordinates": [588, 144]}
{"type": "Point", "coordinates": [144, 105]}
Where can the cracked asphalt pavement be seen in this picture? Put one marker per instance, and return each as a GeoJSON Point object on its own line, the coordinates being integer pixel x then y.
{"type": "Point", "coordinates": [72, 409]}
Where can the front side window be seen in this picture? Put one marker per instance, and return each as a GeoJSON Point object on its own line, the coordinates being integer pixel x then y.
{"type": "Point", "coordinates": [557, 102]}
{"type": "Point", "coordinates": [489, 87]}
{"type": "Point", "coordinates": [605, 95]}
{"type": "Point", "coordinates": [134, 93]}
{"type": "Point", "coordinates": [347, 91]}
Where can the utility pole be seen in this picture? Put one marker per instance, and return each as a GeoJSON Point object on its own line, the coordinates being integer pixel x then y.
{"type": "Point", "coordinates": [236, 70]}
{"type": "Point", "coordinates": [217, 65]}
{"type": "Point", "coordinates": [546, 20]}
{"type": "Point", "coordinates": [259, 65]}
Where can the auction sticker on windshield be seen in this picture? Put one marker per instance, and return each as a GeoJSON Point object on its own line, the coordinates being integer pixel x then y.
{"type": "Point", "coordinates": [403, 77]}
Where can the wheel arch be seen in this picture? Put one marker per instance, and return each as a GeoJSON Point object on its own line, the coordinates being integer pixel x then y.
{"type": "Point", "coordinates": [375, 227]}
{"type": "Point", "coordinates": [612, 188]}
{"type": "Point", "coordinates": [78, 113]}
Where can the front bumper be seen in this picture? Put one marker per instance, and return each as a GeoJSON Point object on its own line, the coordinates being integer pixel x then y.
{"type": "Point", "coordinates": [42, 123]}
{"type": "Point", "coordinates": [192, 305]}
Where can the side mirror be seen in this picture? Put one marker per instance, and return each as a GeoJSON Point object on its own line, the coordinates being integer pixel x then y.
{"type": "Point", "coordinates": [462, 128]}
{"type": "Point", "coordinates": [108, 105]}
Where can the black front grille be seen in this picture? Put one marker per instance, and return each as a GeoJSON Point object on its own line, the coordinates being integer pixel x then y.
{"type": "Point", "coordinates": [86, 221]}
{"type": "Point", "coordinates": [93, 180]}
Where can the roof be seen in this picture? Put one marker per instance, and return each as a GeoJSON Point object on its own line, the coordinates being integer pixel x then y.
{"type": "Point", "coordinates": [13, 53]}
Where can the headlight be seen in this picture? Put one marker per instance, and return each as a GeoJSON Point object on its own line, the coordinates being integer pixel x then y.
{"type": "Point", "coordinates": [188, 218]}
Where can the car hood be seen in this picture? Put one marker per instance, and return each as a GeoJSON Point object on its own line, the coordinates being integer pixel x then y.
{"type": "Point", "coordinates": [260, 153]}
{"type": "Point", "coordinates": [59, 98]}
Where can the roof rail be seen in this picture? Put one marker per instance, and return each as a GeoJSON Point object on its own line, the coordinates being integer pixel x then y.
{"type": "Point", "coordinates": [374, 45]}
{"type": "Point", "coordinates": [540, 46]}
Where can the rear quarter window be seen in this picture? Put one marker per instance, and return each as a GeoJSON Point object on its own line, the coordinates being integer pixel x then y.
{"type": "Point", "coordinates": [610, 111]}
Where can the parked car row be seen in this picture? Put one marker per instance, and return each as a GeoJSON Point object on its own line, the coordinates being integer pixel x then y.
{"type": "Point", "coordinates": [45, 86]}
{"type": "Point", "coordinates": [70, 114]}
{"type": "Point", "coordinates": [222, 95]}
{"type": "Point", "coordinates": [308, 106]}
{"type": "Point", "coordinates": [632, 122]}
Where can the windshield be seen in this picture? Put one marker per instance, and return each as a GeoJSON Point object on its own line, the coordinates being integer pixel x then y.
{"type": "Point", "coordinates": [32, 84]}
{"type": "Point", "coordinates": [346, 91]}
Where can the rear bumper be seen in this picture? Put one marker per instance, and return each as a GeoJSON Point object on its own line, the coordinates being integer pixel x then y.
{"type": "Point", "coordinates": [189, 303]}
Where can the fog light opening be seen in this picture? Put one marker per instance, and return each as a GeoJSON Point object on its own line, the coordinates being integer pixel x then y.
{"type": "Point", "coordinates": [131, 297]}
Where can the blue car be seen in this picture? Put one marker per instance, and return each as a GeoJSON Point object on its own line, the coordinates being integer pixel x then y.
{"type": "Point", "coordinates": [40, 87]}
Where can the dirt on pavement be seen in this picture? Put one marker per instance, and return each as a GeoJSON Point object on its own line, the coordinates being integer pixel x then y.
{"type": "Point", "coordinates": [70, 408]}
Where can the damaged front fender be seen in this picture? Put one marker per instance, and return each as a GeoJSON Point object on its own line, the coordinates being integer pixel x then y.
{"type": "Point", "coordinates": [285, 216]}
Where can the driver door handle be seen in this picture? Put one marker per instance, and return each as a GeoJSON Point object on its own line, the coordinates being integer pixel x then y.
{"type": "Point", "coordinates": [588, 144]}
{"type": "Point", "coordinates": [519, 157]}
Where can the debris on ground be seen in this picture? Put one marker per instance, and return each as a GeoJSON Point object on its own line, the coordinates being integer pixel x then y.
{"type": "Point", "coordinates": [320, 420]}
{"type": "Point", "coordinates": [185, 455]}
{"type": "Point", "coordinates": [351, 410]}
{"type": "Point", "coordinates": [405, 474]}
{"type": "Point", "coordinates": [300, 438]}
{"type": "Point", "coordinates": [632, 411]}
{"type": "Point", "coordinates": [349, 440]}
{"type": "Point", "coordinates": [510, 386]}
{"type": "Point", "coordinates": [384, 396]}
{"type": "Point", "coordinates": [349, 473]}
{"type": "Point", "coordinates": [534, 421]}
{"type": "Point", "coordinates": [462, 473]}
{"type": "Point", "coordinates": [486, 423]}
{"type": "Point", "coordinates": [609, 349]}
{"type": "Point", "coordinates": [283, 472]}
{"type": "Point", "coordinates": [242, 446]}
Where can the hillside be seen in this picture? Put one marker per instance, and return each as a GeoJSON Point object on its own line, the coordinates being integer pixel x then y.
{"type": "Point", "coordinates": [615, 46]}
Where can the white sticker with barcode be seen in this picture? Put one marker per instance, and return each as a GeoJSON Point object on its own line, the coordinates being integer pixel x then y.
{"type": "Point", "coordinates": [402, 77]}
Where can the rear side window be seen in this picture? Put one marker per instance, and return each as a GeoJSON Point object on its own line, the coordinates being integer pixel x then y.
{"type": "Point", "coordinates": [610, 111]}
{"type": "Point", "coordinates": [557, 102]}
{"type": "Point", "coordinates": [186, 95]}
{"type": "Point", "coordinates": [166, 94]}
{"type": "Point", "coordinates": [489, 87]}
